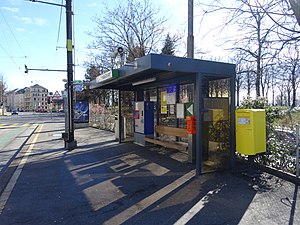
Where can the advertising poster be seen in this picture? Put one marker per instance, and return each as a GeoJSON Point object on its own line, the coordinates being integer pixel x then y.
{"type": "Point", "coordinates": [171, 95]}
{"type": "Point", "coordinates": [164, 109]}
{"type": "Point", "coordinates": [180, 111]}
{"type": "Point", "coordinates": [163, 102]}
{"type": "Point", "coordinates": [81, 112]}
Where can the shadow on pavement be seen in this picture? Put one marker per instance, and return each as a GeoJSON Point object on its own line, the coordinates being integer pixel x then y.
{"type": "Point", "coordinates": [103, 182]}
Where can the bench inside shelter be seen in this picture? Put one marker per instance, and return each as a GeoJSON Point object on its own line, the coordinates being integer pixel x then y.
{"type": "Point", "coordinates": [169, 131]}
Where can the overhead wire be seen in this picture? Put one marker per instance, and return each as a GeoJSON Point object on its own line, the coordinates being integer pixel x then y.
{"type": "Point", "coordinates": [58, 32]}
{"type": "Point", "coordinates": [7, 44]}
{"type": "Point", "coordinates": [9, 56]}
{"type": "Point", "coordinates": [12, 33]}
{"type": "Point", "coordinates": [59, 23]}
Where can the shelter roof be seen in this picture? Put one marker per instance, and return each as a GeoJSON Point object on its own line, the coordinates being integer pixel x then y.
{"type": "Point", "coordinates": [164, 69]}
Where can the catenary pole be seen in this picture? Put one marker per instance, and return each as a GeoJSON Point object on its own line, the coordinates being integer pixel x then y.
{"type": "Point", "coordinates": [70, 142]}
{"type": "Point", "coordinates": [190, 39]}
{"type": "Point", "coordinates": [295, 4]}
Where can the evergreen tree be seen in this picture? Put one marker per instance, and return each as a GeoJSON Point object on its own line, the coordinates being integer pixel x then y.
{"type": "Point", "coordinates": [169, 46]}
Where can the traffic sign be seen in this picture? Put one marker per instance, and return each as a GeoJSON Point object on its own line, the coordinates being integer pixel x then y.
{"type": "Point", "coordinates": [77, 82]}
{"type": "Point", "coordinates": [189, 108]}
{"type": "Point", "coordinates": [78, 87]}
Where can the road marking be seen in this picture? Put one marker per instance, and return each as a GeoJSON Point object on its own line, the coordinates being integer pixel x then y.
{"type": "Point", "coordinates": [196, 208]}
{"type": "Point", "coordinates": [13, 180]}
{"type": "Point", "coordinates": [7, 126]}
{"type": "Point", "coordinates": [146, 202]}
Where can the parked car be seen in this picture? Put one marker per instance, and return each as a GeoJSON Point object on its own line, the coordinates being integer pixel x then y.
{"type": "Point", "coordinates": [41, 110]}
{"type": "Point", "coordinates": [14, 112]}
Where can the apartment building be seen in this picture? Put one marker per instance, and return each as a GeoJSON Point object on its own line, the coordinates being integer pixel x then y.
{"type": "Point", "coordinates": [38, 98]}
{"type": "Point", "coordinates": [19, 100]}
{"type": "Point", "coordinates": [33, 98]}
{"type": "Point", "coordinates": [10, 100]}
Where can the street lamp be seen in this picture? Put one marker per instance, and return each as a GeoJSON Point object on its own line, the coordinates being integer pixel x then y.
{"type": "Point", "coordinates": [70, 142]}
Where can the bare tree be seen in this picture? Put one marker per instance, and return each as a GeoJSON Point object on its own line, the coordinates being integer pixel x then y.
{"type": "Point", "coordinates": [290, 66]}
{"type": "Point", "coordinates": [134, 25]}
{"type": "Point", "coordinates": [265, 27]}
{"type": "Point", "coordinates": [3, 88]}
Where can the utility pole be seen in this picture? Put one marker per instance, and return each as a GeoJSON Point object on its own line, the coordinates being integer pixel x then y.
{"type": "Point", "coordinates": [2, 94]}
{"type": "Point", "coordinates": [295, 4]}
{"type": "Point", "coordinates": [70, 142]}
{"type": "Point", "coordinates": [190, 39]}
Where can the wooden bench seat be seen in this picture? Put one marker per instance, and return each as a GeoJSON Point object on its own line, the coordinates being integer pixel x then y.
{"type": "Point", "coordinates": [169, 131]}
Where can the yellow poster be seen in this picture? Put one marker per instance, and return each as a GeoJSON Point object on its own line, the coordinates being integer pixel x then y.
{"type": "Point", "coordinates": [164, 109]}
{"type": "Point", "coordinates": [163, 103]}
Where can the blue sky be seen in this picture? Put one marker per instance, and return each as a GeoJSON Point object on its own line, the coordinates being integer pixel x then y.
{"type": "Point", "coordinates": [29, 35]}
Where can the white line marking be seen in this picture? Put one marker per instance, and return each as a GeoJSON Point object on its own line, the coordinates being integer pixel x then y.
{"type": "Point", "coordinates": [13, 180]}
{"type": "Point", "coordinates": [146, 202]}
{"type": "Point", "coordinates": [195, 209]}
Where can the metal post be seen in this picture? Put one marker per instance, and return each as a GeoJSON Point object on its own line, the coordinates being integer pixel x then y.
{"type": "Point", "coordinates": [297, 151]}
{"type": "Point", "coordinates": [199, 123]}
{"type": "Point", "coordinates": [70, 142]}
{"type": "Point", "coordinates": [232, 137]}
{"type": "Point", "coordinates": [190, 39]}
{"type": "Point", "coordinates": [157, 106]}
{"type": "Point", "coordinates": [120, 116]}
{"type": "Point", "coordinates": [2, 94]}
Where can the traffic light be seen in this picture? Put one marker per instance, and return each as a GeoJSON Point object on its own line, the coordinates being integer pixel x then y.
{"type": "Point", "coordinates": [48, 99]}
{"type": "Point", "coordinates": [26, 69]}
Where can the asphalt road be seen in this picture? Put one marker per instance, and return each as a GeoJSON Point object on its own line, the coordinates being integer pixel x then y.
{"type": "Point", "coordinates": [16, 129]}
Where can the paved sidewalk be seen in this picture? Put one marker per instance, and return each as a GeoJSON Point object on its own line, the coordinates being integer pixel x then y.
{"type": "Point", "coordinates": [103, 182]}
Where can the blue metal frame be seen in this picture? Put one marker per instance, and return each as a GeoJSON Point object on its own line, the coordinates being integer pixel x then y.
{"type": "Point", "coordinates": [177, 70]}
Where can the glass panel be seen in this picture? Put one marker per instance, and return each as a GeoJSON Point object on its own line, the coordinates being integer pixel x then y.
{"type": "Point", "coordinates": [186, 93]}
{"type": "Point", "coordinates": [167, 116]}
{"type": "Point", "coordinates": [216, 125]}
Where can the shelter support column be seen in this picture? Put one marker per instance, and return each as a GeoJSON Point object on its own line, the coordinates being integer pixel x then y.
{"type": "Point", "coordinates": [157, 106]}
{"type": "Point", "coordinates": [232, 121]}
{"type": "Point", "coordinates": [177, 120]}
{"type": "Point", "coordinates": [120, 116]}
{"type": "Point", "coordinates": [199, 123]}
{"type": "Point", "coordinates": [191, 148]}
{"type": "Point", "coordinates": [139, 96]}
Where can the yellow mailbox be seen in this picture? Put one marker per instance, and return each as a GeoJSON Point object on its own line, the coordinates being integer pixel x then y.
{"type": "Point", "coordinates": [250, 131]}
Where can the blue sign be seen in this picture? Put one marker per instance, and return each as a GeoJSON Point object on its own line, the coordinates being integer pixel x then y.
{"type": "Point", "coordinates": [81, 112]}
{"type": "Point", "coordinates": [78, 87]}
{"type": "Point", "coordinates": [171, 89]}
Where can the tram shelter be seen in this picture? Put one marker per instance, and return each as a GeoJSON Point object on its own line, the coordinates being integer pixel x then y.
{"type": "Point", "coordinates": [180, 89]}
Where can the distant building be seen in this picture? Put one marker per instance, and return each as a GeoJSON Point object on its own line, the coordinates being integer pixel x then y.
{"type": "Point", "coordinates": [33, 98]}
{"type": "Point", "coordinates": [19, 101]}
{"type": "Point", "coordinates": [38, 98]}
{"type": "Point", "coordinates": [57, 102]}
{"type": "Point", "coordinates": [10, 100]}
